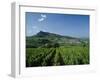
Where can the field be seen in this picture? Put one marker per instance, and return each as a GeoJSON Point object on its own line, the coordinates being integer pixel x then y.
{"type": "Point", "coordinates": [54, 39]}
{"type": "Point", "coordinates": [57, 56]}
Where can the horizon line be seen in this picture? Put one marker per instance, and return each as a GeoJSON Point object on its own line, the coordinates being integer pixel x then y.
{"type": "Point", "coordinates": [57, 34]}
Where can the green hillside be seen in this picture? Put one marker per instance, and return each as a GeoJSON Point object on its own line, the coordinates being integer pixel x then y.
{"type": "Point", "coordinates": [49, 49]}
{"type": "Point", "coordinates": [42, 39]}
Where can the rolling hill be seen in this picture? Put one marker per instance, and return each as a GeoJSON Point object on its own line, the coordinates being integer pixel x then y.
{"type": "Point", "coordinates": [42, 38]}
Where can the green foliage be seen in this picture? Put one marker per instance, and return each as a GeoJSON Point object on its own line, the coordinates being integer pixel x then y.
{"type": "Point", "coordinates": [58, 60]}
{"type": "Point", "coordinates": [48, 60]}
{"type": "Point", "coordinates": [56, 45]}
{"type": "Point", "coordinates": [43, 39]}
{"type": "Point", "coordinates": [49, 49]}
{"type": "Point", "coordinates": [73, 55]}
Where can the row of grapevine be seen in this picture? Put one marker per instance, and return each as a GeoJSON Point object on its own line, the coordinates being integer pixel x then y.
{"type": "Point", "coordinates": [48, 60]}
{"type": "Point", "coordinates": [38, 59]}
{"type": "Point", "coordinates": [57, 56]}
{"type": "Point", "coordinates": [75, 56]}
{"type": "Point", "coordinates": [58, 60]}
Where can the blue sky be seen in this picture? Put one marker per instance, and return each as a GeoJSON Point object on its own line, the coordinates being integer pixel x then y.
{"type": "Point", "coordinates": [63, 24]}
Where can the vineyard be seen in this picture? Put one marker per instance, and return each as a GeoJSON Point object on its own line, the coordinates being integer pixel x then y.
{"type": "Point", "coordinates": [74, 55]}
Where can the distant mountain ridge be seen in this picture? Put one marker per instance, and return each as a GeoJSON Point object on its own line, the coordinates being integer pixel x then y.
{"type": "Point", "coordinates": [42, 34]}
{"type": "Point", "coordinates": [42, 38]}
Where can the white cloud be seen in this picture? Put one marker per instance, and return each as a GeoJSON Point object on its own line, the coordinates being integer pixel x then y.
{"type": "Point", "coordinates": [43, 17]}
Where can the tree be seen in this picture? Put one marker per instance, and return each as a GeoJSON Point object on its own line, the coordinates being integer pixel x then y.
{"type": "Point", "coordinates": [56, 45]}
